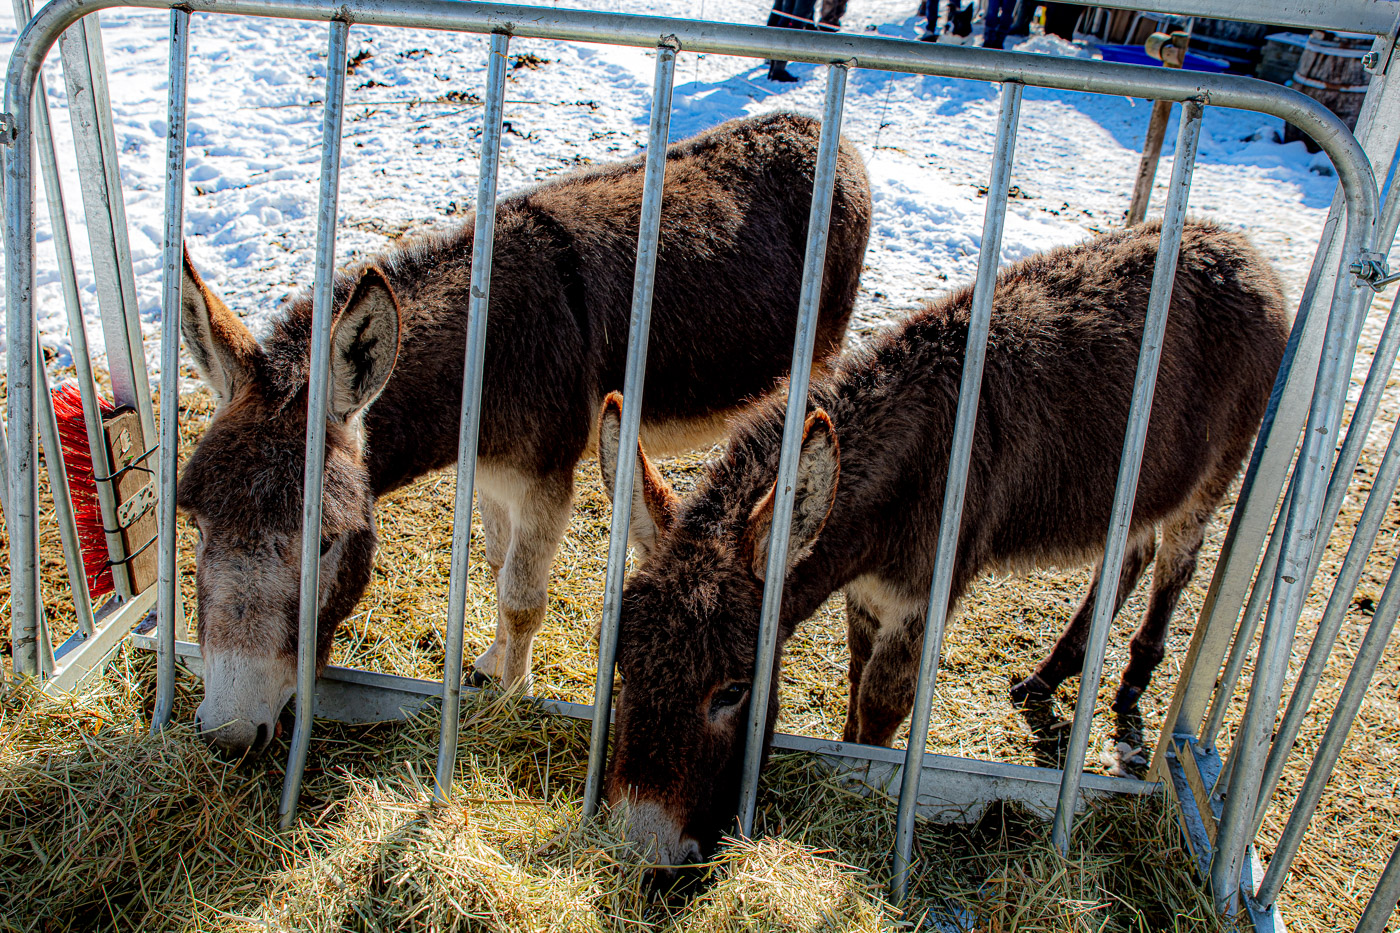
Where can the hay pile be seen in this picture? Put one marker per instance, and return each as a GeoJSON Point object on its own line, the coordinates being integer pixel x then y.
{"type": "Point", "coordinates": [75, 826]}
{"type": "Point", "coordinates": [103, 826]}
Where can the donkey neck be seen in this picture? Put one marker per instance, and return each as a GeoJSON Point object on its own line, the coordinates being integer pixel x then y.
{"type": "Point", "coordinates": [893, 409]}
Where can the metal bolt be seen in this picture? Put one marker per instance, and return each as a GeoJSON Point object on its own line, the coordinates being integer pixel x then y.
{"type": "Point", "coordinates": [1370, 60]}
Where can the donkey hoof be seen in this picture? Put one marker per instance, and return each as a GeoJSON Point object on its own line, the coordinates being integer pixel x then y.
{"type": "Point", "coordinates": [480, 680]}
{"type": "Point", "coordinates": [1031, 690]}
{"type": "Point", "coordinates": [1127, 699]}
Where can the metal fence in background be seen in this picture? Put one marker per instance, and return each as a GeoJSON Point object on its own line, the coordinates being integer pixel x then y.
{"type": "Point", "coordinates": [1311, 387]}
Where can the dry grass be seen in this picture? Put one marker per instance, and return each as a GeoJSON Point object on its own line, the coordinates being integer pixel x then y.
{"type": "Point", "coordinates": [157, 830]}
{"type": "Point", "coordinates": [104, 826]}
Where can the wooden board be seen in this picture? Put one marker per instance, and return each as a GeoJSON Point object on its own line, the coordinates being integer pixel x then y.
{"type": "Point", "coordinates": [136, 497]}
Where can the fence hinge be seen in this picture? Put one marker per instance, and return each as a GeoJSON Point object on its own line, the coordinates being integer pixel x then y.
{"type": "Point", "coordinates": [1371, 270]}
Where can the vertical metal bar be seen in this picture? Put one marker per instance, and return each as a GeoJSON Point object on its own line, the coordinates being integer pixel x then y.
{"type": "Point", "coordinates": [1253, 515]}
{"type": "Point", "coordinates": [813, 265]}
{"type": "Point", "coordinates": [77, 327]}
{"type": "Point", "coordinates": [1244, 638]}
{"type": "Point", "coordinates": [955, 488]}
{"type": "Point", "coordinates": [1363, 537]}
{"type": "Point", "coordinates": [1312, 473]}
{"type": "Point", "coordinates": [90, 110]}
{"type": "Point", "coordinates": [58, 221]}
{"type": "Point", "coordinates": [1278, 434]}
{"type": "Point", "coordinates": [62, 502]}
{"type": "Point", "coordinates": [321, 298]}
{"type": "Point", "coordinates": [167, 595]}
{"type": "Point", "coordinates": [1368, 656]}
{"type": "Point", "coordinates": [1382, 489]}
{"type": "Point", "coordinates": [1383, 898]}
{"type": "Point", "coordinates": [19, 329]}
{"type": "Point", "coordinates": [1140, 411]}
{"type": "Point", "coordinates": [483, 243]}
{"type": "Point", "coordinates": [648, 235]}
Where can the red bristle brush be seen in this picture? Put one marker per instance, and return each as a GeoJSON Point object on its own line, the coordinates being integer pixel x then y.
{"type": "Point", "coordinates": [82, 485]}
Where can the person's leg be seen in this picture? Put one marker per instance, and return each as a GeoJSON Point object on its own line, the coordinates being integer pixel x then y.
{"type": "Point", "coordinates": [929, 9]}
{"type": "Point", "coordinates": [1060, 19]}
{"type": "Point", "coordinates": [832, 11]}
{"type": "Point", "coordinates": [787, 14]}
{"type": "Point", "coordinates": [998, 21]}
{"type": "Point", "coordinates": [1021, 21]}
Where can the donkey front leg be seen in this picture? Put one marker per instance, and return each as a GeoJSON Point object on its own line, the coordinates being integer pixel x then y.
{"type": "Point", "coordinates": [495, 528]}
{"type": "Point", "coordinates": [538, 508]}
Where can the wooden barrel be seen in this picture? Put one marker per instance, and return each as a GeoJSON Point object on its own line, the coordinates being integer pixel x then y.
{"type": "Point", "coordinates": [1279, 57]}
{"type": "Point", "coordinates": [1331, 72]}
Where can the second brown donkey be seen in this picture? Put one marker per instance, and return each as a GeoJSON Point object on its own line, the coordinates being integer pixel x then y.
{"type": "Point", "coordinates": [1061, 359]}
{"type": "Point", "coordinates": [733, 232]}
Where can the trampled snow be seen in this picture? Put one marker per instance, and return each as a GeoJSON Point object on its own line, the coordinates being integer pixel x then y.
{"type": "Point", "coordinates": [412, 144]}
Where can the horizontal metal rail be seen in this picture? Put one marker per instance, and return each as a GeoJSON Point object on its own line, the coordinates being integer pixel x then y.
{"type": "Point", "coordinates": [951, 788]}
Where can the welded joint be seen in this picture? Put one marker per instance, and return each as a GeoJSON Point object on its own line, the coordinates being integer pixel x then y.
{"type": "Point", "coordinates": [1371, 270]}
{"type": "Point", "coordinates": [672, 42]}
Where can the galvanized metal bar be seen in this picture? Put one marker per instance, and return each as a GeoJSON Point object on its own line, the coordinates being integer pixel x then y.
{"type": "Point", "coordinates": [1312, 473]}
{"type": "Point", "coordinates": [168, 579]}
{"type": "Point", "coordinates": [813, 265]}
{"type": "Point", "coordinates": [955, 487]}
{"type": "Point", "coordinates": [1278, 438]}
{"type": "Point", "coordinates": [23, 463]}
{"type": "Point", "coordinates": [77, 327]}
{"type": "Point", "coordinates": [1120, 518]}
{"type": "Point", "coordinates": [648, 237]}
{"type": "Point", "coordinates": [483, 244]}
{"type": "Point", "coordinates": [62, 504]}
{"type": "Point", "coordinates": [1383, 898]}
{"type": "Point", "coordinates": [90, 111]}
{"type": "Point", "coordinates": [1377, 378]}
{"type": "Point", "coordinates": [1244, 637]}
{"type": "Point", "coordinates": [1382, 489]}
{"type": "Point", "coordinates": [4, 475]}
{"type": "Point", "coordinates": [1368, 657]}
{"type": "Point", "coordinates": [316, 408]}
{"type": "Point", "coordinates": [871, 52]}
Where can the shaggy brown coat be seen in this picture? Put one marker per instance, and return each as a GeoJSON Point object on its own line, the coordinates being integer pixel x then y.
{"type": "Point", "coordinates": [1061, 359]}
{"type": "Point", "coordinates": [733, 233]}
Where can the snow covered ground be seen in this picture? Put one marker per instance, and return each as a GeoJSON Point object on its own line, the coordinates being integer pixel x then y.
{"type": "Point", "coordinates": [411, 148]}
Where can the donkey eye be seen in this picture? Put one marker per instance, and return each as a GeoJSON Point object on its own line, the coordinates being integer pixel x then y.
{"type": "Point", "coordinates": [325, 546]}
{"type": "Point", "coordinates": [731, 695]}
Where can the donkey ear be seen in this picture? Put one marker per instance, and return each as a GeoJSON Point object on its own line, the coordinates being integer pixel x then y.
{"type": "Point", "coordinates": [654, 504]}
{"type": "Point", "coordinates": [818, 469]}
{"type": "Point", "coordinates": [222, 348]}
{"type": "Point", "coordinates": [364, 346]}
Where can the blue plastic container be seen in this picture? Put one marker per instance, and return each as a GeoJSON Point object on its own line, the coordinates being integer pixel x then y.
{"type": "Point", "coordinates": [1135, 55]}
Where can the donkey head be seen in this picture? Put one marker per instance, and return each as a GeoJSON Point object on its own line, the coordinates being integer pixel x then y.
{"type": "Point", "coordinates": [689, 633]}
{"type": "Point", "coordinates": [242, 487]}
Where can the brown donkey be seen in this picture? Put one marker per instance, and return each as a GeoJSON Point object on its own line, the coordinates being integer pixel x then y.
{"type": "Point", "coordinates": [733, 231]}
{"type": "Point", "coordinates": [1055, 394]}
